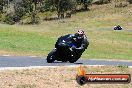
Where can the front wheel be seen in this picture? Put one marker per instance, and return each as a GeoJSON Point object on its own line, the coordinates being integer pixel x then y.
{"type": "Point", "coordinates": [74, 58]}
{"type": "Point", "coordinates": [51, 56]}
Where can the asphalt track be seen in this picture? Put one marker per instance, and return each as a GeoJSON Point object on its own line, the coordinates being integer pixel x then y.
{"type": "Point", "coordinates": [26, 61]}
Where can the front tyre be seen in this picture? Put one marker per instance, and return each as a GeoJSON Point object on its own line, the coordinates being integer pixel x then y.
{"type": "Point", "coordinates": [74, 58]}
{"type": "Point", "coordinates": [51, 56]}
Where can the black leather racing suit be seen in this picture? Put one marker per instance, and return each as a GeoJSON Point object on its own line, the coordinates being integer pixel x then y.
{"type": "Point", "coordinates": [81, 44]}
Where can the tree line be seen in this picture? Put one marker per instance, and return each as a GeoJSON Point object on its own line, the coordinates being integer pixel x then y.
{"type": "Point", "coordinates": [12, 11]}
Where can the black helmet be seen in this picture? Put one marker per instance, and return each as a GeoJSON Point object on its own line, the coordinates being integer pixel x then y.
{"type": "Point", "coordinates": [80, 34]}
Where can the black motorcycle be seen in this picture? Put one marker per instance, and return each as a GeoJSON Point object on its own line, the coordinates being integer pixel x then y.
{"type": "Point", "coordinates": [64, 53]}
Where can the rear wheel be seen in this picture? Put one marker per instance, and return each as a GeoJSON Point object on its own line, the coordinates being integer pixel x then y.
{"type": "Point", "coordinates": [51, 56]}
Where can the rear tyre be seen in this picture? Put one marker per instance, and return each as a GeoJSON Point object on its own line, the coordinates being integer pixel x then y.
{"type": "Point", "coordinates": [51, 56]}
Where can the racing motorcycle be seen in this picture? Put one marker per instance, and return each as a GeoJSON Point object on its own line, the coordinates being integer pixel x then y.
{"type": "Point", "coordinates": [65, 52]}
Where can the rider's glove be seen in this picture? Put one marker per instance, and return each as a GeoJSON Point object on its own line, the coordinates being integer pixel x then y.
{"type": "Point", "coordinates": [80, 48]}
{"type": "Point", "coordinates": [73, 47]}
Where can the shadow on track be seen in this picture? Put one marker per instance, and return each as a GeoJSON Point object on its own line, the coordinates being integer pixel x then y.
{"type": "Point", "coordinates": [56, 62]}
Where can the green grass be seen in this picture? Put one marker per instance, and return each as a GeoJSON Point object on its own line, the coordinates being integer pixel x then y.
{"type": "Point", "coordinates": [24, 41]}
{"type": "Point", "coordinates": [105, 43]}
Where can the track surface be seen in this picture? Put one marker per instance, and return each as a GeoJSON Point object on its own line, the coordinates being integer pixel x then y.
{"type": "Point", "coordinates": [25, 61]}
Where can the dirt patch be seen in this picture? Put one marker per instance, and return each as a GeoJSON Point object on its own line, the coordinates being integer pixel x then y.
{"type": "Point", "coordinates": [59, 77]}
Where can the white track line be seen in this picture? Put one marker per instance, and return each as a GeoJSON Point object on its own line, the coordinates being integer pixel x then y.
{"type": "Point", "coordinates": [41, 67]}
{"type": "Point", "coordinates": [6, 55]}
{"type": "Point", "coordinates": [111, 60]}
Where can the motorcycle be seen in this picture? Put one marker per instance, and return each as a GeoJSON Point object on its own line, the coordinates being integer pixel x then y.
{"type": "Point", "coordinates": [63, 53]}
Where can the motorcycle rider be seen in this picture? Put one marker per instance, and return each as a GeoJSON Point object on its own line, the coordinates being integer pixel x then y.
{"type": "Point", "coordinates": [79, 40]}
{"type": "Point", "coordinates": [118, 27]}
